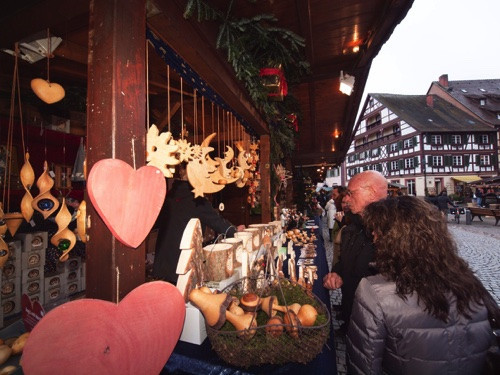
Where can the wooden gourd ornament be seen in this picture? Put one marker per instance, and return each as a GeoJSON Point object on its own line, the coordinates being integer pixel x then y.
{"type": "Point", "coordinates": [27, 176]}
{"type": "Point", "coordinates": [45, 202]}
{"type": "Point", "coordinates": [64, 239]}
{"type": "Point", "coordinates": [81, 221]}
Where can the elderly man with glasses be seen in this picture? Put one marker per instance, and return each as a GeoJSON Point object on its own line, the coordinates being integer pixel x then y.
{"type": "Point", "coordinates": [356, 248]}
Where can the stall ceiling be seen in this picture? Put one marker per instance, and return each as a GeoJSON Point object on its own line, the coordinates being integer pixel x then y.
{"type": "Point", "coordinates": [330, 27]}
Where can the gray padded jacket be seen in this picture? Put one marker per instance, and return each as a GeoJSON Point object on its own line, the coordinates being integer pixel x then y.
{"type": "Point", "coordinates": [389, 335]}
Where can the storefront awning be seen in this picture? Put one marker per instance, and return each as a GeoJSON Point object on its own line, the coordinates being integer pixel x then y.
{"type": "Point", "coordinates": [467, 179]}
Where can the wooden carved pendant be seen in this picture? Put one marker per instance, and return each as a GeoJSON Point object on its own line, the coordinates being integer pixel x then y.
{"type": "Point", "coordinates": [27, 176]}
{"type": "Point", "coordinates": [64, 239]}
{"type": "Point", "coordinates": [13, 220]}
{"type": "Point", "coordinates": [45, 202]}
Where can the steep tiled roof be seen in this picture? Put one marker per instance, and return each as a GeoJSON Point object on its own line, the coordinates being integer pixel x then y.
{"type": "Point", "coordinates": [441, 117]}
{"type": "Point", "coordinates": [469, 92]}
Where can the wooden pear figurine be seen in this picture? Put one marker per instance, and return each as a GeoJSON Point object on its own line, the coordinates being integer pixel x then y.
{"type": "Point", "coordinates": [45, 203]}
{"type": "Point", "coordinates": [212, 306]}
{"type": "Point", "coordinates": [4, 248]}
{"type": "Point", "coordinates": [27, 176]}
{"type": "Point", "coordinates": [64, 239]}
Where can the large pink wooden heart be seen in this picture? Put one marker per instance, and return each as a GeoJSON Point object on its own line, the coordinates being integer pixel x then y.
{"type": "Point", "coordinates": [49, 92]}
{"type": "Point", "coordinates": [127, 200]}
{"type": "Point", "coordinates": [90, 336]}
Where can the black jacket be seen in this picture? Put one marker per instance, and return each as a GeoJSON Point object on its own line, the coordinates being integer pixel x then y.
{"type": "Point", "coordinates": [180, 206]}
{"type": "Point", "coordinates": [356, 254]}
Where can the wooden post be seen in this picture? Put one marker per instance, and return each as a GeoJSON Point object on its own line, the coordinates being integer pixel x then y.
{"type": "Point", "coordinates": [116, 113]}
{"type": "Point", "coordinates": [265, 177]}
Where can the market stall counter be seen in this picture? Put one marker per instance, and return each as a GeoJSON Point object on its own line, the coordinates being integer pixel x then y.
{"type": "Point", "coordinates": [201, 359]}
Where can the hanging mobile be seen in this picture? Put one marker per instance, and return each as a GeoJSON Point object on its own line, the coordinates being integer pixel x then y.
{"type": "Point", "coordinates": [47, 91]}
{"type": "Point", "coordinates": [45, 202]}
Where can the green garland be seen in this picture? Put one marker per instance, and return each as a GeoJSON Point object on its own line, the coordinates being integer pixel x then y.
{"type": "Point", "coordinates": [251, 44]}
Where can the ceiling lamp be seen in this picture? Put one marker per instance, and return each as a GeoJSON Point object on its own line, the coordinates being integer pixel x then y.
{"type": "Point", "coordinates": [346, 83]}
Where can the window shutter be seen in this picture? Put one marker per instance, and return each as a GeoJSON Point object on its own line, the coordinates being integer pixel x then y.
{"type": "Point", "coordinates": [466, 160]}
{"type": "Point", "coordinates": [415, 161]}
{"type": "Point", "coordinates": [464, 139]}
{"type": "Point", "coordinates": [478, 159]}
{"type": "Point", "coordinates": [400, 145]}
{"type": "Point", "coordinates": [401, 164]}
{"type": "Point", "coordinates": [429, 160]}
{"type": "Point", "coordinates": [388, 165]}
{"type": "Point", "coordinates": [387, 149]}
{"type": "Point", "coordinates": [494, 159]}
{"type": "Point", "coordinates": [447, 160]}
{"type": "Point", "coordinates": [415, 141]}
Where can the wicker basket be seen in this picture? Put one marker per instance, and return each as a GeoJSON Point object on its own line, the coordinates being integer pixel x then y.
{"type": "Point", "coordinates": [263, 348]}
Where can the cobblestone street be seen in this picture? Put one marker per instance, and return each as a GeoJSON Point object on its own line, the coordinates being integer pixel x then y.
{"type": "Point", "coordinates": [478, 244]}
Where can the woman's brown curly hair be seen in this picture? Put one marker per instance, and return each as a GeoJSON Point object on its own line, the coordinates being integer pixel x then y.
{"type": "Point", "coordinates": [415, 250]}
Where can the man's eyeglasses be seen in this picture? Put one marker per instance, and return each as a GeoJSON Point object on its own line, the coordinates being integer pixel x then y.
{"type": "Point", "coordinates": [351, 192]}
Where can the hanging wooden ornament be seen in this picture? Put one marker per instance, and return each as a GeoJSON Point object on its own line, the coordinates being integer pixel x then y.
{"type": "Point", "coordinates": [13, 220]}
{"type": "Point", "coordinates": [4, 248]}
{"type": "Point", "coordinates": [243, 157]}
{"type": "Point", "coordinates": [200, 171]}
{"type": "Point", "coordinates": [64, 239]}
{"type": "Point", "coordinates": [161, 151]}
{"type": "Point", "coordinates": [27, 176]}
{"type": "Point", "coordinates": [81, 221]}
{"type": "Point", "coordinates": [127, 200]}
{"type": "Point", "coordinates": [47, 91]}
{"type": "Point", "coordinates": [226, 175]}
{"type": "Point", "coordinates": [45, 202]}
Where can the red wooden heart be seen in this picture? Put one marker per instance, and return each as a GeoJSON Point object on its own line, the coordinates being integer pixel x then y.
{"type": "Point", "coordinates": [90, 336]}
{"type": "Point", "coordinates": [127, 200]}
{"type": "Point", "coordinates": [31, 312]}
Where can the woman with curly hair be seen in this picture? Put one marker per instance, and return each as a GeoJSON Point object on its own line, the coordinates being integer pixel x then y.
{"type": "Point", "coordinates": [424, 313]}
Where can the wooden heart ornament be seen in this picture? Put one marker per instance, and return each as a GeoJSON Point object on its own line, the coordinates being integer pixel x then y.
{"type": "Point", "coordinates": [90, 336]}
{"type": "Point", "coordinates": [127, 200]}
{"type": "Point", "coordinates": [49, 92]}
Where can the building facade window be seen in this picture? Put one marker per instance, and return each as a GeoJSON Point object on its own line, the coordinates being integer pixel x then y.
{"type": "Point", "coordinates": [437, 161]}
{"type": "Point", "coordinates": [457, 160]}
{"type": "Point", "coordinates": [482, 102]}
{"type": "Point", "coordinates": [393, 147]}
{"type": "Point", "coordinates": [436, 139]}
{"type": "Point", "coordinates": [396, 129]}
{"type": "Point", "coordinates": [484, 139]}
{"type": "Point", "coordinates": [484, 160]}
{"type": "Point", "coordinates": [456, 139]}
{"type": "Point", "coordinates": [411, 189]}
{"type": "Point", "coordinates": [409, 163]}
{"type": "Point", "coordinates": [408, 143]}
{"type": "Point", "coordinates": [394, 165]}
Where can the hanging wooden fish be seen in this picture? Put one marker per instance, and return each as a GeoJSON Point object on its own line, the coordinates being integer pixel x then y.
{"type": "Point", "coordinates": [45, 202]}
{"type": "Point", "coordinates": [64, 239]}
{"type": "Point", "coordinates": [27, 176]}
{"type": "Point", "coordinates": [161, 151]}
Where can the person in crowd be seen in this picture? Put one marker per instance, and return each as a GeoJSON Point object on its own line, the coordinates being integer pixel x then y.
{"type": "Point", "coordinates": [330, 216]}
{"type": "Point", "coordinates": [342, 218]}
{"type": "Point", "coordinates": [337, 191]}
{"type": "Point", "coordinates": [443, 201]}
{"type": "Point", "coordinates": [479, 196]}
{"type": "Point", "coordinates": [356, 245]}
{"type": "Point", "coordinates": [179, 207]}
{"type": "Point", "coordinates": [424, 312]}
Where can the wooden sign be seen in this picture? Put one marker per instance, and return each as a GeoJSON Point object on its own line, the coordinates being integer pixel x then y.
{"type": "Point", "coordinates": [91, 336]}
{"type": "Point", "coordinates": [32, 312]}
{"type": "Point", "coordinates": [127, 200]}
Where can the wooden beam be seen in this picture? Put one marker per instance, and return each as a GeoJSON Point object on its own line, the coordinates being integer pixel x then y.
{"type": "Point", "coordinates": [116, 113]}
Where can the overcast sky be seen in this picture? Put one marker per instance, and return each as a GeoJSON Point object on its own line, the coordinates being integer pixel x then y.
{"type": "Point", "coordinates": [460, 38]}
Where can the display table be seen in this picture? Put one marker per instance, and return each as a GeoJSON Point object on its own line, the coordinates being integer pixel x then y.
{"type": "Point", "coordinates": [201, 359]}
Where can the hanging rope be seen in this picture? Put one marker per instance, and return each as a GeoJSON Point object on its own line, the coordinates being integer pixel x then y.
{"type": "Point", "coordinates": [168, 97]}
{"type": "Point", "coordinates": [203, 117]}
{"type": "Point", "coordinates": [182, 112]}
{"type": "Point", "coordinates": [195, 117]}
{"type": "Point", "coordinates": [147, 85]}
{"type": "Point", "coordinates": [49, 52]}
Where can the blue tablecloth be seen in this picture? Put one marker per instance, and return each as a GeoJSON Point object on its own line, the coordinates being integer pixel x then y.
{"type": "Point", "coordinates": [201, 359]}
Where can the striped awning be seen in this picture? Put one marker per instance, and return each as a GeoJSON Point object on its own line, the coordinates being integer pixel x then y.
{"type": "Point", "coordinates": [467, 179]}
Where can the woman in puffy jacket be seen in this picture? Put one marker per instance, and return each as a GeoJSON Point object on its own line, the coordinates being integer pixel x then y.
{"type": "Point", "coordinates": [424, 312]}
